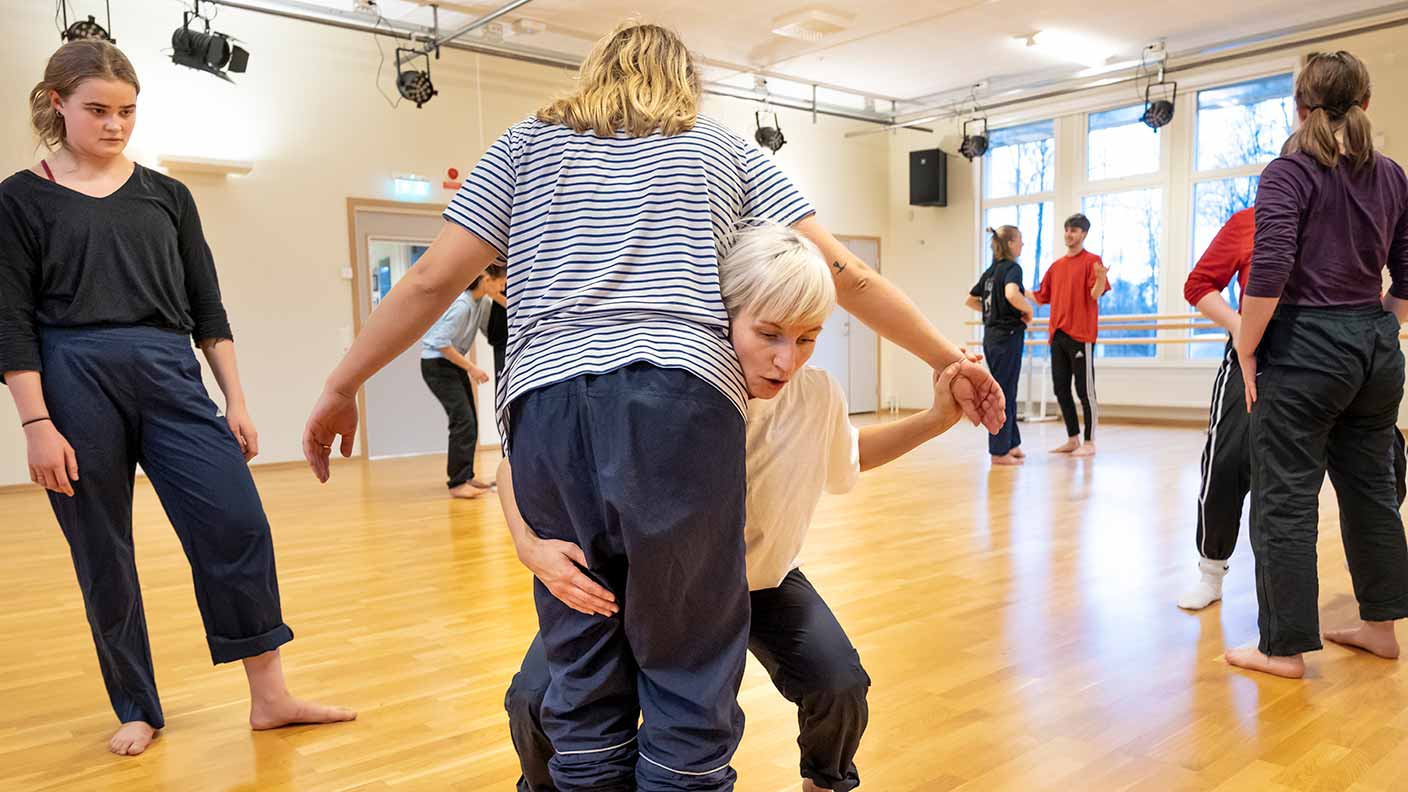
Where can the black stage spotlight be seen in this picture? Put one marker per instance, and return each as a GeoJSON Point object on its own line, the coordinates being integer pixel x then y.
{"type": "Point", "coordinates": [974, 146]}
{"type": "Point", "coordinates": [1159, 112]}
{"type": "Point", "coordinates": [86, 28]}
{"type": "Point", "coordinates": [212, 53]}
{"type": "Point", "coordinates": [412, 84]}
{"type": "Point", "coordinates": [769, 137]}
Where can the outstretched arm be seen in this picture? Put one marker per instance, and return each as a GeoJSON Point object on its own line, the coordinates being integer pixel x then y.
{"type": "Point", "coordinates": [887, 442]}
{"type": "Point", "coordinates": [414, 304]}
{"type": "Point", "coordinates": [885, 309]}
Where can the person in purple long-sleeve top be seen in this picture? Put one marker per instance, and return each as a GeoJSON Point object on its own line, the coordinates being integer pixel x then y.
{"type": "Point", "coordinates": [1324, 370]}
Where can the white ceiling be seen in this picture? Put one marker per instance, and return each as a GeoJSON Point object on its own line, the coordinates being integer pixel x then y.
{"type": "Point", "coordinates": [910, 49]}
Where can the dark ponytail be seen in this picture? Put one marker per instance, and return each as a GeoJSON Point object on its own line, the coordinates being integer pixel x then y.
{"type": "Point", "coordinates": [1332, 89]}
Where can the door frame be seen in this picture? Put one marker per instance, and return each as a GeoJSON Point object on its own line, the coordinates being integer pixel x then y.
{"type": "Point", "coordinates": [356, 243]}
{"type": "Point", "coordinates": [879, 340]}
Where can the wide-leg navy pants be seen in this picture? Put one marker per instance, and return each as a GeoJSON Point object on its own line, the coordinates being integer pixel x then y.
{"type": "Point", "coordinates": [643, 468]}
{"type": "Point", "coordinates": [124, 396]}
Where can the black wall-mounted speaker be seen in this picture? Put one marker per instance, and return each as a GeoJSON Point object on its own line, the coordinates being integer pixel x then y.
{"type": "Point", "coordinates": [928, 178]}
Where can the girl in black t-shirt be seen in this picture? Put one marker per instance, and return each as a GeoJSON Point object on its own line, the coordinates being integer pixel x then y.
{"type": "Point", "coordinates": [105, 279]}
{"type": "Point", "coordinates": [1000, 296]}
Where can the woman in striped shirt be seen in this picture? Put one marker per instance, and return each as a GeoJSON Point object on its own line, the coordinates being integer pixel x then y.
{"type": "Point", "coordinates": [622, 403]}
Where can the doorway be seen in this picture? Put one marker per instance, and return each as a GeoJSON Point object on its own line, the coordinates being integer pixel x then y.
{"type": "Point", "coordinates": [399, 415]}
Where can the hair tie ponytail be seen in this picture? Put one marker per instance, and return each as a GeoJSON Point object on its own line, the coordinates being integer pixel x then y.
{"type": "Point", "coordinates": [1328, 90]}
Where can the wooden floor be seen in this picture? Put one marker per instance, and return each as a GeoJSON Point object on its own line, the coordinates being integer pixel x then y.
{"type": "Point", "coordinates": [1019, 627]}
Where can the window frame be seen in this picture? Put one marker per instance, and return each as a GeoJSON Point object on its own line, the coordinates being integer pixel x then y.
{"type": "Point", "coordinates": [1177, 178]}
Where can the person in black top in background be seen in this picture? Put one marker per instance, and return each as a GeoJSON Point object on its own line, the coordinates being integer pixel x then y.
{"type": "Point", "coordinates": [1000, 295]}
{"type": "Point", "coordinates": [496, 334]}
{"type": "Point", "coordinates": [105, 279]}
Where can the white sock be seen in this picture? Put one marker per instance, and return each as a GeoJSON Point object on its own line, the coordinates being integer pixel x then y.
{"type": "Point", "coordinates": [1208, 589]}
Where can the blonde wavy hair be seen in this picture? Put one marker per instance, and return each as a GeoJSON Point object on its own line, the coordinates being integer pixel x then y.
{"type": "Point", "coordinates": [639, 78]}
{"type": "Point", "coordinates": [777, 275]}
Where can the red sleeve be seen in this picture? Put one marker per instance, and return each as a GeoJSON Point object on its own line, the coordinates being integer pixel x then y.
{"type": "Point", "coordinates": [1090, 278]}
{"type": "Point", "coordinates": [1222, 261]}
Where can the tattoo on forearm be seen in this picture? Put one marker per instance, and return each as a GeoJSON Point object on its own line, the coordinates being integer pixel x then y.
{"type": "Point", "coordinates": [839, 266]}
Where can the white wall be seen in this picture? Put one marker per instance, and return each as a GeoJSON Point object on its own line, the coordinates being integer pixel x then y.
{"type": "Point", "coordinates": [307, 114]}
{"type": "Point", "coordinates": [933, 253]}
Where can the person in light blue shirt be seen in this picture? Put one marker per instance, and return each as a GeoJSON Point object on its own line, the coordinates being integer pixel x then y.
{"type": "Point", "coordinates": [452, 377]}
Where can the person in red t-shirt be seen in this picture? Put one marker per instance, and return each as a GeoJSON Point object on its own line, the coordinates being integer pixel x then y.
{"type": "Point", "coordinates": [1226, 466]}
{"type": "Point", "coordinates": [1073, 286]}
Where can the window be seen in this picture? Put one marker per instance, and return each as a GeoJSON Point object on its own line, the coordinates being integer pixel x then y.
{"type": "Point", "coordinates": [1240, 128]}
{"type": "Point", "coordinates": [1126, 230]}
{"type": "Point", "coordinates": [389, 261]}
{"type": "Point", "coordinates": [1214, 203]}
{"type": "Point", "coordinates": [1244, 124]}
{"type": "Point", "coordinates": [1222, 138]}
{"type": "Point", "coordinates": [1120, 145]}
{"type": "Point", "coordinates": [1019, 177]}
{"type": "Point", "coordinates": [1020, 161]}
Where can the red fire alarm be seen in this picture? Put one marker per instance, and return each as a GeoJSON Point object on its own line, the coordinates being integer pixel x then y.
{"type": "Point", "coordinates": [453, 173]}
{"type": "Point", "coordinates": [452, 180]}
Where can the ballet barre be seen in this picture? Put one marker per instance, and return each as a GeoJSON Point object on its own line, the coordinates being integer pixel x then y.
{"type": "Point", "coordinates": [1036, 408]}
{"type": "Point", "coordinates": [1190, 316]}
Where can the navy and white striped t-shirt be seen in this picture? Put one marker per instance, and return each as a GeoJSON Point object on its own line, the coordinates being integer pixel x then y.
{"type": "Point", "coordinates": [612, 248]}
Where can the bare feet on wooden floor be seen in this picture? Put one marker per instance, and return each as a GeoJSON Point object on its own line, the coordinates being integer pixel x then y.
{"type": "Point", "coordinates": [466, 491]}
{"type": "Point", "coordinates": [1018, 452]}
{"type": "Point", "coordinates": [1067, 447]}
{"type": "Point", "coordinates": [1373, 637]}
{"type": "Point", "coordinates": [1009, 458]}
{"type": "Point", "coordinates": [1085, 450]}
{"type": "Point", "coordinates": [286, 710]}
{"type": "Point", "coordinates": [1251, 658]}
{"type": "Point", "coordinates": [132, 738]}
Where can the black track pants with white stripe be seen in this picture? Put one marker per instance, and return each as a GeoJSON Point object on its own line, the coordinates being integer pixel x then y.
{"type": "Point", "coordinates": [1226, 467]}
{"type": "Point", "coordinates": [1074, 359]}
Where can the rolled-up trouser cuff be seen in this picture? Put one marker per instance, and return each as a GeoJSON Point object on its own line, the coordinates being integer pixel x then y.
{"type": "Point", "coordinates": [228, 650]}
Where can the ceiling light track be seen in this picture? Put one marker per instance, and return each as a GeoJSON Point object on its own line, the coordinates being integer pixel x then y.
{"type": "Point", "coordinates": [1202, 57]}
{"type": "Point", "coordinates": [424, 36]}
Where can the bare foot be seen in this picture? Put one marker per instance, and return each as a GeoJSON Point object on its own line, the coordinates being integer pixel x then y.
{"type": "Point", "coordinates": [1251, 658]}
{"type": "Point", "coordinates": [132, 739]}
{"type": "Point", "coordinates": [1007, 459]}
{"type": "Point", "coordinates": [476, 483]}
{"type": "Point", "coordinates": [1018, 452]}
{"type": "Point", "coordinates": [289, 711]}
{"type": "Point", "coordinates": [466, 491]}
{"type": "Point", "coordinates": [1067, 447]}
{"type": "Point", "coordinates": [1086, 450]}
{"type": "Point", "coordinates": [1373, 637]}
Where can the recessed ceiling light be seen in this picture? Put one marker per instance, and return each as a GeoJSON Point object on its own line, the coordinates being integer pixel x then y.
{"type": "Point", "coordinates": [810, 24]}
